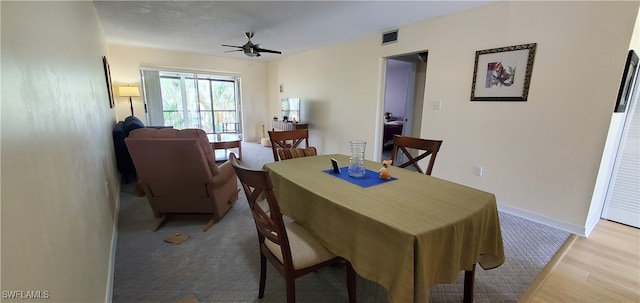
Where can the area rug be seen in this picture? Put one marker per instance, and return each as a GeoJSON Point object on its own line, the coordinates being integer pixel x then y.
{"type": "Point", "coordinates": [222, 264]}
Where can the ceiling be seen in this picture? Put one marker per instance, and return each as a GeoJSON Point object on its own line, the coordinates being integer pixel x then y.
{"type": "Point", "coordinates": [287, 26]}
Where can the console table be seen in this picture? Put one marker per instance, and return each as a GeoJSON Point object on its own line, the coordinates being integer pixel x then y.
{"type": "Point", "coordinates": [283, 126]}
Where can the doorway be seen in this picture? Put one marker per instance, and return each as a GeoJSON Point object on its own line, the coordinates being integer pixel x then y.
{"type": "Point", "coordinates": [404, 86]}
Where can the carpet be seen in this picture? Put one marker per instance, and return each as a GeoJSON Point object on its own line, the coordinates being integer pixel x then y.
{"type": "Point", "coordinates": [222, 265]}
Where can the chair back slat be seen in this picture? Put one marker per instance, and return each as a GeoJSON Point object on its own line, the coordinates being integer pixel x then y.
{"type": "Point", "coordinates": [424, 148]}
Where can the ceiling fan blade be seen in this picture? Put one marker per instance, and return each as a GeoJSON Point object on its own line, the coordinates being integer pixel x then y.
{"type": "Point", "coordinates": [231, 45]}
{"type": "Point", "coordinates": [264, 50]}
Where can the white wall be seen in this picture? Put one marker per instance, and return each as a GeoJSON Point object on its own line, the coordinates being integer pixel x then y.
{"type": "Point", "coordinates": [57, 153]}
{"type": "Point", "coordinates": [125, 69]}
{"type": "Point", "coordinates": [540, 157]}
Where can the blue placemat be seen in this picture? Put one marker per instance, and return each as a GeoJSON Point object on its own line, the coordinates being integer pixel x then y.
{"type": "Point", "coordinates": [369, 179]}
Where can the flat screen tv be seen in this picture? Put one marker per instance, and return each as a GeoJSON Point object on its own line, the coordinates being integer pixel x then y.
{"type": "Point", "coordinates": [290, 109]}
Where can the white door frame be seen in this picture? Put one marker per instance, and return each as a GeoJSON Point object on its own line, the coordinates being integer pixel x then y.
{"type": "Point", "coordinates": [614, 205]}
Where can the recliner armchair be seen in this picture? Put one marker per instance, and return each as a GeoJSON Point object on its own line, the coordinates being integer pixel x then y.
{"type": "Point", "coordinates": [178, 173]}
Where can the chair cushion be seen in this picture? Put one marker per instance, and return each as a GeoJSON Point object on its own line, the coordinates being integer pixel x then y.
{"type": "Point", "coordinates": [291, 153]}
{"type": "Point", "coordinates": [305, 249]}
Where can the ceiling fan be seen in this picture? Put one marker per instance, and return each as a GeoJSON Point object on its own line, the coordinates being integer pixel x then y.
{"type": "Point", "coordinates": [250, 49]}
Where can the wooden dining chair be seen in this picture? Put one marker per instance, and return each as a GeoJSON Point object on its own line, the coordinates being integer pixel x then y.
{"type": "Point", "coordinates": [290, 248]}
{"type": "Point", "coordinates": [291, 153]}
{"type": "Point", "coordinates": [423, 148]}
{"type": "Point", "coordinates": [287, 139]}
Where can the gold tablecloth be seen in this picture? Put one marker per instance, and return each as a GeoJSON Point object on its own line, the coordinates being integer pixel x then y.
{"type": "Point", "coordinates": [407, 235]}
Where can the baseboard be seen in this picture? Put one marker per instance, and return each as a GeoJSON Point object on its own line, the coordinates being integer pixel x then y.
{"type": "Point", "coordinates": [591, 225]}
{"type": "Point", "coordinates": [108, 297]}
{"type": "Point", "coordinates": [578, 230]}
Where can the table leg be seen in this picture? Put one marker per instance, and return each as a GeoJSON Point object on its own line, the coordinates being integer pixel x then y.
{"type": "Point", "coordinates": [226, 145]}
{"type": "Point", "coordinates": [469, 276]}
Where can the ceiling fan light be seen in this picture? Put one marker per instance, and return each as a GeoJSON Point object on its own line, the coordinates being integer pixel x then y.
{"type": "Point", "coordinates": [251, 52]}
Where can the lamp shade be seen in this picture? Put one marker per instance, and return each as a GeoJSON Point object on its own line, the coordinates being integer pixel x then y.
{"type": "Point", "coordinates": [129, 91]}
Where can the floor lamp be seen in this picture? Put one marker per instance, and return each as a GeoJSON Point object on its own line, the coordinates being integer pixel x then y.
{"type": "Point", "coordinates": [129, 91]}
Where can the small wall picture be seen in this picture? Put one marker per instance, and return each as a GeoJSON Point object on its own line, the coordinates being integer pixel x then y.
{"type": "Point", "coordinates": [628, 78]}
{"type": "Point", "coordinates": [503, 74]}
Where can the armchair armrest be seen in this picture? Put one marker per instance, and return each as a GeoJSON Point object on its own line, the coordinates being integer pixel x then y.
{"type": "Point", "coordinates": [225, 173]}
{"type": "Point", "coordinates": [224, 187]}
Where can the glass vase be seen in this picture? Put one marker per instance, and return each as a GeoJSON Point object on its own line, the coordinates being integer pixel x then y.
{"type": "Point", "coordinates": [356, 161]}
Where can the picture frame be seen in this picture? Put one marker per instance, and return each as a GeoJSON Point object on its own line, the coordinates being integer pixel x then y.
{"type": "Point", "coordinates": [107, 75]}
{"type": "Point", "coordinates": [503, 74]}
{"type": "Point", "coordinates": [628, 78]}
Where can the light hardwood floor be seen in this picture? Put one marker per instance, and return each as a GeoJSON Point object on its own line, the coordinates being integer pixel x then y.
{"type": "Point", "coordinates": [602, 268]}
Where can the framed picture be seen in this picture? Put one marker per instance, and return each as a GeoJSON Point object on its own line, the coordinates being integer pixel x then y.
{"type": "Point", "coordinates": [107, 75]}
{"type": "Point", "coordinates": [628, 78]}
{"type": "Point", "coordinates": [503, 74]}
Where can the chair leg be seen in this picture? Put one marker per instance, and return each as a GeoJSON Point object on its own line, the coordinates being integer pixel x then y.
{"type": "Point", "coordinates": [209, 224]}
{"type": "Point", "coordinates": [263, 275]}
{"type": "Point", "coordinates": [162, 221]}
{"type": "Point", "coordinates": [140, 191]}
{"type": "Point", "coordinates": [468, 284]}
{"type": "Point", "coordinates": [291, 289]}
{"type": "Point", "coordinates": [351, 283]}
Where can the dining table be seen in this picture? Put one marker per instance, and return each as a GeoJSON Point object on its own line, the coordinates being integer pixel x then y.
{"type": "Point", "coordinates": [406, 234]}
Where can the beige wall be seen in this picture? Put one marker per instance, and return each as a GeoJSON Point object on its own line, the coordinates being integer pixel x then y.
{"type": "Point", "coordinates": [57, 153]}
{"type": "Point", "coordinates": [540, 157]}
{"type": "Point", "coordinates": [339, 87]}
{"type": "Point", "coordinates": [125, 69]}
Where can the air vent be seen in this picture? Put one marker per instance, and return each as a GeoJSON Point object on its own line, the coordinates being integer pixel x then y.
{"type": "Point", "coordinates": [390, 37]}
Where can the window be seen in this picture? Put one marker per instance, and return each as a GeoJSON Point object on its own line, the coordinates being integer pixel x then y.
{"type": "Point", "coordinates": [193, 100]}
